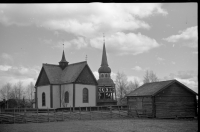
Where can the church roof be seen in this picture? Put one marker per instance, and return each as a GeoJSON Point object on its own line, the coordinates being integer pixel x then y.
{"type": "Point", "coordinates": [53, 73]}
{"type": "Point", "coordinates": [57, 76]}
{"type": "Point", "coordinates": [72, 71]}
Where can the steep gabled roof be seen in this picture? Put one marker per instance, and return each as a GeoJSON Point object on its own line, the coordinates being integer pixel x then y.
{"type": "Point", "coordinates": [53, 73]}
{"type": "Point", "coordinates": [72, 71]}
{"type": "Point", "coordinates": [151, 89]}
{"type": "Point", "coordinates": [56, 75]}
{"type": "Point", "coordinates": [42, 78]}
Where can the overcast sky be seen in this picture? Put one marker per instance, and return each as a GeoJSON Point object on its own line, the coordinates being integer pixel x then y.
{"type": "Point", "coordinates": [138, 37]}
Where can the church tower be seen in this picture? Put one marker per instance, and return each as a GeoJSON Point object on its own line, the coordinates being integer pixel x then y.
{"type": "Point", "coordinates": [63, 63]}
{"type": "Point", "coordinates": [106, 86]}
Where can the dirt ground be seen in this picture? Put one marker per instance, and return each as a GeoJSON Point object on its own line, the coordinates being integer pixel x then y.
{"type": "Point", "coordinates": [111, 125]}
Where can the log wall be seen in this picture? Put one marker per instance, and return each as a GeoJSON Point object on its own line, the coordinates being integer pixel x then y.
{"type": "Point", "coordinates": [175, 101]}
{"type": "Point", "coordinates": [140, 106]}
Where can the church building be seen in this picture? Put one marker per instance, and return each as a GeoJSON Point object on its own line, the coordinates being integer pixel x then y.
{"type": "Point", "coordinates": [74, 85]}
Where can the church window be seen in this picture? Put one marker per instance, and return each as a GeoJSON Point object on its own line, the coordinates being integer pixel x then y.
{"type": "Point", "coordinates": [66, 97]}
{"type": "Point", "coordinates": [106, 75]}
{"type": "Point", "coordinates": [85, 95]}
{"type": "Point", "coordinates": [43, 99]}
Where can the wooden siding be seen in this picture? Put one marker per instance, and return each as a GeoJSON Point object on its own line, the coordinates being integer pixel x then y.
{"type": "Point", "coordinates": [86, 77]}
{"type": "Point", "coordinates": [175, 101]}
{"type": "Point", "coordinates": [140, 105]}
{"type": "Point", "coordinates": [43, 79]}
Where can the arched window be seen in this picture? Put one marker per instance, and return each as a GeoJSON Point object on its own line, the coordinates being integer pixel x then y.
{"type": "Point", "coordinates": [66, 97]}
{"type": "Point", "coordinates": [43, 99]}
{"type": "Point", "coordinates": [85, 95]}
{"type": "Point", "coordinates": [106, 75]}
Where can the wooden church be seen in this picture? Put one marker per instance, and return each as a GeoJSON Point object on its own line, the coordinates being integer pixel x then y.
{"type": "Point", "coordinates": [74, 85]}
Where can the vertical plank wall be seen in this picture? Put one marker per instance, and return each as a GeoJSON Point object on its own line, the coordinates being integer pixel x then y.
{"type": "Point", "coordinates": [175, 101]}
{"type": "Point", "coordinates": [140, 105]}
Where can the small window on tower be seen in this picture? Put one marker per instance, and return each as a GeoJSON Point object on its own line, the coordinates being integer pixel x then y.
{"type": "Point", "coordinates": [102, 75]}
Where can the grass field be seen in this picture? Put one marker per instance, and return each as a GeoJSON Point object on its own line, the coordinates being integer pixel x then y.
{"type": "Point", "coordinates": [109, 125]}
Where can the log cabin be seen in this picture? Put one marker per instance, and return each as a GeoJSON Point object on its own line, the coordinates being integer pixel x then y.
{"type": "Point", "coordinates": [164, 99]}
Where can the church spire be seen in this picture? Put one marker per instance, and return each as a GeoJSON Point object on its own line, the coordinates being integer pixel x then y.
{"type": "Point", "coordinates": [63, 63]}
{"type": "Point", "coordinates": [63, 57]}
{"type": "Point", "coordinates": [104, 63]}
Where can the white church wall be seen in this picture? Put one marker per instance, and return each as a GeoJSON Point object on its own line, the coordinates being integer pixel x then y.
{"type": "Point", "coordinates": [56, 96]}
{"type": "Point", "coordinates": [79, 95]}
{"type": "Point", "coordinates": [46, 90]}
{"type": "Point", "coordinates": [69, 88]}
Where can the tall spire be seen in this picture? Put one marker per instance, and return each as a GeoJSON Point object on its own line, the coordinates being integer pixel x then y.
{"type": "Point", "coordinates": [104, 63]}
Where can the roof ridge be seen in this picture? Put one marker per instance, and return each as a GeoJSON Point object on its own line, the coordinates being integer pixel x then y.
{"type": "Point", "coordinates": [78, 63]}
{"type": "Point", "coordinates": [68, 65]}
{"type": "Point", "coordinates": [161, 81]}
{"type": "Point", "coordinates": [49, 64]}
{"type": "Point", "coordinates": [151, 88]}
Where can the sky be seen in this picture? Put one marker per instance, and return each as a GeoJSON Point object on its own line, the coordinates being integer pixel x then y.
{"type": "Point", "coordinates": [161, 37]}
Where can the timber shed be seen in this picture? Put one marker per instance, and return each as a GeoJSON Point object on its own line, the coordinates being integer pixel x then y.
{"type": "Point", "coordinates": [164, 99]}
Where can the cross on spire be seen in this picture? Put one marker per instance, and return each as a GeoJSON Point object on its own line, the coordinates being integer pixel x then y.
{"type": "Point", "coordinates": [103, 38]}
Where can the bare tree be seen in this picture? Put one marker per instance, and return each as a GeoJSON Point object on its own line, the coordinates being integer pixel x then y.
{"type": "Point", "coordinates": [5, 91]}
{"type": "Point", "coordinates": [121, 84]}
{"type": "Point", "coordinates": [133, 85]}
{"type": "Point", "coordinates": [150, 76]}
{"type": "Point", "coordinates": [18, 92]}
{"type": "Point", "coordinates": [30, 91]}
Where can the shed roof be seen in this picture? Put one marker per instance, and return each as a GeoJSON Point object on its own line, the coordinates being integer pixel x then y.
{"type": "Point", "coordinates": [150, 89]}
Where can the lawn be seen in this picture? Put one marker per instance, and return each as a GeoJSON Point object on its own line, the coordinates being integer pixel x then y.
{"type": "Point", "coordinates": [109, 125]}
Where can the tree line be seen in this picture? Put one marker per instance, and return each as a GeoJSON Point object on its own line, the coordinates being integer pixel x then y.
{"type": "Point", "coordinates": [17, 93]}
{"type": "Point", "coordinates": [124, 87]}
